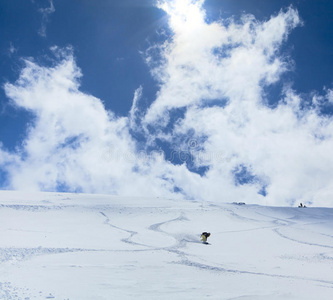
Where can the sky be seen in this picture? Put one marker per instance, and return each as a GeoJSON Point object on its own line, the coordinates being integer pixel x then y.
{"type": "Point", "coordinates": [206, 100]}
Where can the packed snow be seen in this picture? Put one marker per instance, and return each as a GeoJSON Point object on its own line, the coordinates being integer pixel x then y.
{"type": "Point", "coordinates": [81, 246]}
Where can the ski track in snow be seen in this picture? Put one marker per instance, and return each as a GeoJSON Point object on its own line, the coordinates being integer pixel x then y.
{"type": "Point", "coordinates": [300, 241]}
{"type": "Point", "coordinates": [181, 243]}
{"type": "Point", "coordinates": [186, 261]}
{"type": "Point", "coordinates": [130, 232]}
{"type": "Point", "coordinates": [224, 270]}
{"type": "Point", "coordinates": [180, 246]}
{"type": "Point", "coordinates": [18, 254]}
{"type": "Point", "coordinates": [33, 208]}
{"type": "Point", "coordinates": [289, 223]}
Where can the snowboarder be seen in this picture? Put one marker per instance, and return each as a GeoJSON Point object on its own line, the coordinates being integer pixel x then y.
{"type": "Point", "coordinates": [204, 237]}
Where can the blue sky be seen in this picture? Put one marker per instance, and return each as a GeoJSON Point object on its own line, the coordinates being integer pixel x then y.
{"type": "Point", "coordinates": [212, 100]}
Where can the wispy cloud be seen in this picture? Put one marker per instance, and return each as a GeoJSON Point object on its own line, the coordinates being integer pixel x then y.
{"type": "Point", "coordinates": [11, 49]}
{"type": "Point", "coordinates": [211, 111]}
{"type": "Point", "coordinates": [45, 12]}
{"type": "Point", "coordinates": [133, 114]}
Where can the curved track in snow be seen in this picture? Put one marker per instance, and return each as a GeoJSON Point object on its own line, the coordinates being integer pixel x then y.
{"type": "Point", "coordinates": [102, 247]}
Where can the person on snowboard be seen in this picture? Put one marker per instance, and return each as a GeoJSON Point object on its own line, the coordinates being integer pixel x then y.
{"type": "Point", "coordinates": [204, 237]}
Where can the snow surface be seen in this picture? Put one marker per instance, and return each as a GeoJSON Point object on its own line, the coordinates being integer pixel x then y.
{"type": "Point", "coordinates": [79, 246]}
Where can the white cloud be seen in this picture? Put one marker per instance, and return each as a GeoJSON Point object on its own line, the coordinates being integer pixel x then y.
{"type": "Point", "coordinates": [217, 72]}
{"type": "Point", "coordinates": [133, 114]}
{"type": "Point", "coordinates": [45, 12]}
{"type": "Point", "coordinates": [216, 61]}
{"type": "Point", "coordinates": [73, 141]}
{"type": "Point", "coordinates": [11, 49]}
{"type": "Point", "coordinates": [285, 149]}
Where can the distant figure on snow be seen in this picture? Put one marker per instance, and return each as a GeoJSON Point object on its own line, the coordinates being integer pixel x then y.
{"type": "Point", "coordinates": [204, 237]}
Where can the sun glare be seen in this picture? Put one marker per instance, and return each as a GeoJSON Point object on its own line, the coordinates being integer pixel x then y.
{"type": "Point", "coordinates": [184, 12]}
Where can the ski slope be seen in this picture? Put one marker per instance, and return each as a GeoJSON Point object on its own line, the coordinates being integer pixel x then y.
{"type": "Point", "coordinates": [79, 246]}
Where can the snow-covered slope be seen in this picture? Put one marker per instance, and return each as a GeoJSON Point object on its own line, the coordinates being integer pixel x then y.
{"type": "Point", "coordinates": [77, 246]}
